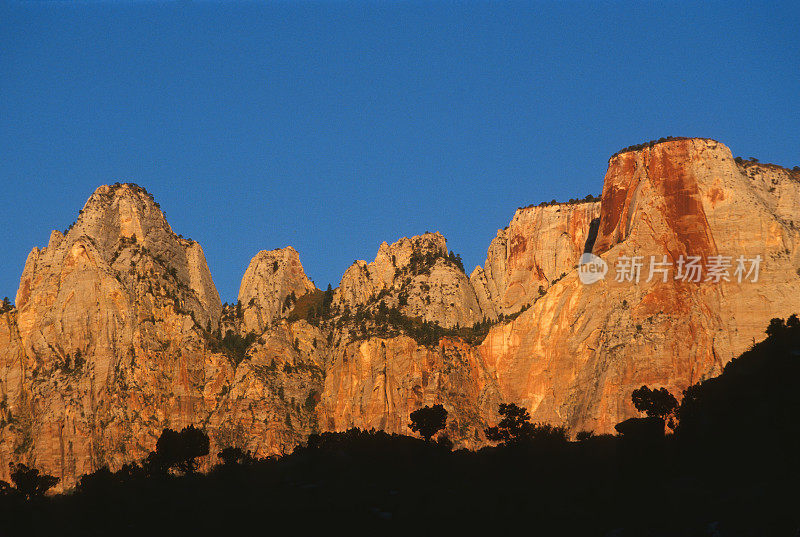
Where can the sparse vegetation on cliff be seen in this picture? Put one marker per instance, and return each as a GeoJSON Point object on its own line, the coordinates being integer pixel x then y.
{"type": "Point", "coordinates": [754, 162]}
{"type": "Point", "coordinates": [385, 321]}
{"type": "Point", "coordinates": [589, 198]}
{"type": "Point", "coordinates": [651, 143]}
{"type": "Point", "coordinates": [232, 344]}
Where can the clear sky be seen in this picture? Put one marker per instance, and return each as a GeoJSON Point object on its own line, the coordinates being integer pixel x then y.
{"type": "Point", "coordinates": [334, 126]}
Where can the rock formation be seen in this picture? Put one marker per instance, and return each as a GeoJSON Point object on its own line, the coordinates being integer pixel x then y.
{"type": "Point", "coordinates": [577, 354]}
{"type": "Point", "coordinates": [270, 279]}
{"type": "Point", "coordinates": [118, 330]}
{"type": "Point", "coordinates": [418, 276]}
{"type": "Point", "coordinates": [539, 246]}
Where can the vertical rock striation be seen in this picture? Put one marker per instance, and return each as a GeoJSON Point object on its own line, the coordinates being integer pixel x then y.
{"type": "Point", "coordinates": [118, 330]}
{"type": "Point", "coordinates": [539, 246]}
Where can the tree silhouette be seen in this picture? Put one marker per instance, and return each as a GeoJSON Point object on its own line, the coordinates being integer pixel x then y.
{"type": "Point", "coordinates": [776, 327]}
{"type": "Point", "coordinates": [512, 428]}
{"type": "Point", "coordinates": [658, 404]}
{"type": "Point", "coordinates": [327, 300]}
{"type": "Point", "coordinates": [29, 482]}
{"type": "Point", "coordinates": [516, 429]}
{"type": "Point", "coordinates": [232, 456]}
{"type": "Point", "coordinates": [655, 403]}
{"type": "Point", "coordinates": [181, 449]}
{"type": "Point", "coordinates": [428, 421]}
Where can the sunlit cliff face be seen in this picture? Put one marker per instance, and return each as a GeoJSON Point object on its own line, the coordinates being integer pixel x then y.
{"type": "Point", "coordinates": [118, 328]}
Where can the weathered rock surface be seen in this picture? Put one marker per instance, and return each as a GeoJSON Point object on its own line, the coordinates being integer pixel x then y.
{"type": "Point", "coordinates": [378, 382]}
{"type": "Point", "coordinates": [105, 346]}
{"type": "Point", "coordinates": [417, 276]}
{"type": "Point", "coordinates": [118, 330]}
{"type": "Point", "coordinates": [539, 246]}
{"type": "Point", "coordinates": [271, 277]}
{"type": "Point", "coordinates": [577, 354]}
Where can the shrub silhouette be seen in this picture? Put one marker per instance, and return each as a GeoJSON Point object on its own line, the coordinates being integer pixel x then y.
{"type": "Point", "coordinates": [511, 428]}
{"type": "Point", "coordinates": [655, 403]}
{"type": "Point", "coordinates": [179, 450]}
{"type": "Point", "coordinates": [428, 421]}
{"type": "Point", "coordinates": [29, 482]}
{"type": "Point", "coordinates": [516, 429]}
{"type": "Point", "coordinates": [233, 456]}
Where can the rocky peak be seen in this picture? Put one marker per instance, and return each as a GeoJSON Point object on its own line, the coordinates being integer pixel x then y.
{"type": "Point", "coordinates": [777, 187]}
{"type": "Point", "coordinates": [539, 246]}
{"type": "Point", "coordinates": [271, 277]}
{"type": "Point", "coordinates": [121, 252]}
{"type": "Point", "coordinates": [664, 174]}
{"type": "Point", "coordinates": [121, 211]}
{"type": "Point", "coordinates": [109, 341]}
{"type": "Point", "coordinates": [107, 346]}
{"type": "Point", "coordinates": [580, 350]}
{"type": "Point", "coordinates": [416, 275]}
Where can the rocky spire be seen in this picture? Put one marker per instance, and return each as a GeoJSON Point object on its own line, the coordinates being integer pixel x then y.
{"type": "Point", "coordinates": [419, 277]}
{"type": "Point", "coordinates": [271, 277]}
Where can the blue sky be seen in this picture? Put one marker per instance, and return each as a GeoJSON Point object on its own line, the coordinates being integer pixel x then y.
{"type": "Point", "coordinates": [334, 126]}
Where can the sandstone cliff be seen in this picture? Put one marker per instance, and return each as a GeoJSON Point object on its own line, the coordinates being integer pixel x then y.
{"type": "Point", "coordinates": [418, 276]}
{"type": "Point", "coordinates": [575, 357]}
{"type": "Point", "coordinates": [106, 345]}
{"type": "Point", "coordinates": [539, 246]}
{"type": "Point", "coordinates": [118, 330]}
{"type": "Point", "coordinates": [271, 277]}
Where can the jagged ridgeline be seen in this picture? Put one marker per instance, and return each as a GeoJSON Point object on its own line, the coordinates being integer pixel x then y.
{"type": "Point", "coordinates": [118, 332]}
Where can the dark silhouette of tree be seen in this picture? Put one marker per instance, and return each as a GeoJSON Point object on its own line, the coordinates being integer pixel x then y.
{"type": "Point", "coordinates": [232, 456]}
{"type": "Point", "coordinates": [29, 482]}
{"type": "Point", "coordinates": [516, 429]}
{"type": "Point", "coordinates": [180, 450]}
{"type": "Point", "coordinates": [776, 327]}
{"type": "Point", "coordinates": [655, 403]}
{"type": "Point", "coordinates": [428, 420]}
{"type": "Point", "coordinates": [98, 482]}
{"type": "Point", "coordinates": [749, 412]}
{"type": "Point", "coordinates": [512, 427]}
